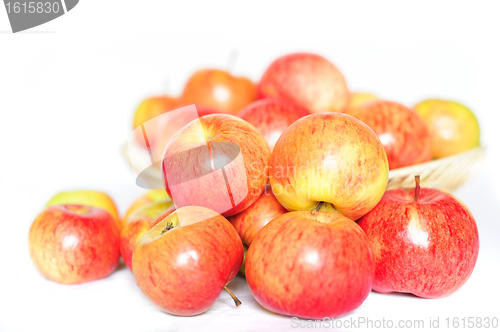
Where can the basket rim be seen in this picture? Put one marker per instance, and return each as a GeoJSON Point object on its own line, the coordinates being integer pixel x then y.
{"type": "Point", "coordinates": [434, 163]}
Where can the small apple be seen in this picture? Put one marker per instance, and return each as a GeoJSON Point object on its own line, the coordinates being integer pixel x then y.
{"type": "Point", "coordinates": [329, 158]}
{"type": "Point", "coordinates": [139, 223]}
{"type": "Point", "coordinates": [185, 261]}
{"type": "Point", "coordinates": [219, 90]}
{"type": "Point", "coordinates": [250, 221]}
{"type": "Point", "coordinates": [360, 98]}
{"type": "Point", "coordinates": [308, 80]}
{"type": "Point", "coordinates": [401, 130]}
{"type": "Point", "coordinates": [453, 127]}
{"type": "Point", "coordinates": [150, 108]}
{"type": "Point", "coordinates": [310, 265]}
{"type": "Point", "coordinates": [71, 244]}
{"type": "Point", "coordinates": [219, 161]}
{"type": "Point", "coordinates": [271, 117]}
{"type": "Point", "coordinates": [87, 197]}
{"type": "Point", "coordinates": [151, 196]}
{"type": "Point", "coordinates": [425, 242]}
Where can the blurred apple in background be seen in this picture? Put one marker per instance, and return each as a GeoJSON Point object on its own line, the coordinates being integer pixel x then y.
{"type": "Point", "coordinates": [184, 262]}
{"type": "Point", "coordinates": [150, 108]}
{"type": "Point", "coordinates": [401, 130]}
{"type": "Point", "coordinates": [360, 98]}
{"type": "Point", "coordinates": [220, 162]}
{"type": "Point", "coordinates": [151, 196]}
{"type": "Point", "coordinates": [310, 265]}
{"type": "Point", "coordinates": [425, 242]}
{"type": "Point", "coordinates": [139, 222]}
{"type": "Point", "coordinates": [271, 117]}
{"type": "Point", "coordinates": [88, 197]}
{"type": "Point", "coordinates": [249, 222]}
{"type": "Point", "coordinates": [453, 127]}
{"type": "Point", "coordinates": [218, 90]}
{"type": "Point", "coordinates": [71, 244]}
{"type": "Point", "coordinates": [332, 158]}
{"type": "Point", "coordinates": [308, 80]}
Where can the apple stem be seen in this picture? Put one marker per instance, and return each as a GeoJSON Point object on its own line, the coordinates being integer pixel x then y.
{"type": "Point", "coordinates": [417, 187]}
{"type": "Point", "coordinates": [167, 228]}
{"type": "Point", "coordinates": [235, 299]}
{"type": "Point", "coordinates": [317, 208]}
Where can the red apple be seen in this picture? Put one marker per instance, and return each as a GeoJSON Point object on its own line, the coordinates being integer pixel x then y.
{"type": "Point", "coordinates": [219, 161]}
{"type": "Point", "coordinates": [310, 265]}
{"type": "Point", "coordinates": [425, 242]}
{"type": "Point", "coordinates": [219, 90]}
{"type": "Point", "coordinates": [308, 80]}
{"type": "Point", "coordinates": [250, 221]}
{"type": "Point", "coordinates": [271, 117]}
{"type": "Point", "coordinates": [71, 244]}
{"type": "Point", "coordinates": [151, 196]}
{"type": "Point", "coordinates": [185, 261]}
{"type": "Point", "coordinates": [139, 223]}
{"type": "Point", "coordinates": [401, 130]}
{"type": "Point", "coordinates": [331, 158]}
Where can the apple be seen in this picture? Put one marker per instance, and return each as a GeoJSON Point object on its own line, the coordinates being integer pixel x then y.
{"type": "Point", "coordinates": [401, 130]}
{"type": "Point", "coordinates": [308, 80]}
{"type": "Point", "coordinates": [271, 117]}
{"type": "Point", "coordinates": [249, 222]}
{"type": "Point", "coordinates": [310, 265]}
{"type": "Point", "coordinates": [242, 267]}
{"type": "Point", "coordinates": [329, 158]}
{"type": "Point", "coordinates": [219, 90]}
{"type": "Point", "coordinates": [360, 98]}
{"type": "Point", "coordinates": [150, 108]}
{"type": "Point", "coordinates": [139, 223]}
{"type": "Point", "coordinates": [166, 128]}
{"type": "Point", "coordinates": [184, 262]}
{"type": "Point", "coordinates": [453, 127]}
{"type": "Point", "coordinates": [219, 161]}
{"type": "Point", "coordinates": [149, 197]}
{"type": "Point", "coordinates": [72, 244]}
{"type": "Point", "coordinates": [425, 242]}
{"type": "Point", "coordinates": [87, 197]}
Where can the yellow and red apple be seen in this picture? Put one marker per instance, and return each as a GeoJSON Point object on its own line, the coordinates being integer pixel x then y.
{"type": "Point", "coordinates": [218, 90]}
{"type": "Point", "coordinates": [308, 80]}
{"type": "Point", "coordinates": [329, 158]}
{"type": "Point", "coordinates": [72, 244]}
{"type": "Point", "coordinates": [184, 262]}
{"type": "Point", "coordinates": [453, 127]}
{"type": "Point", "coordinates": [219, 161]}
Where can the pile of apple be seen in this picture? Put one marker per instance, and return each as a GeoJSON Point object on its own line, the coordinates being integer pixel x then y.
{"type": "Point", "coordinates": [289, 189]}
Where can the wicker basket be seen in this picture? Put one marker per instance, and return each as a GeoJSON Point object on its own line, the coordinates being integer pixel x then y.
{"type": "Point", "coordinates": [446, 173]}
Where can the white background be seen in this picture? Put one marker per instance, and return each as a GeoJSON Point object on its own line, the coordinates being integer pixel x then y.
{"type": "Point", "coordinates": [68, 90]}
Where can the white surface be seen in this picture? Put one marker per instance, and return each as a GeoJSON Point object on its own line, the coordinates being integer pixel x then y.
{"type": "Point", "coordinates": [68, 90]}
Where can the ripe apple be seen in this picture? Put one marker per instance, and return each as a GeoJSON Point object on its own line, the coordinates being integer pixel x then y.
{"type": "Point", "coordinates": [425, 242]}
{"type": "Point", "coordinates": [310, 265]}
{"type": "Point", "coordinates": [308, 80]}
{"type": "Point", "coordinates": [185, 261]}
{"type": "Point", "coordinates": [219, 161]}
{"type": "Point", "coordinates": [271, 117]}
{"type": "Point", "coordinates": [360, 98]}
{"type": "Point", "coordinates": [87, 197]}
{"type": "Point", "coordinates": [219, 90]}
{"type": "Point", "coordinates": [139, 223]}
{"type": "Point", "coordinates": [401, 130]}
{"type": "Point", "coordinates": [151, 196]}
{"type": "Point", "coordinates": [250, 221]}
{"type": "Point", "coordinates": [71, 244]}
{"type": "Point", "coordinates": [453, 127]}
{"type": "Point", "coordinates": [331, 158]}
{"type": "Point", "coordinates": [150, 108]}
